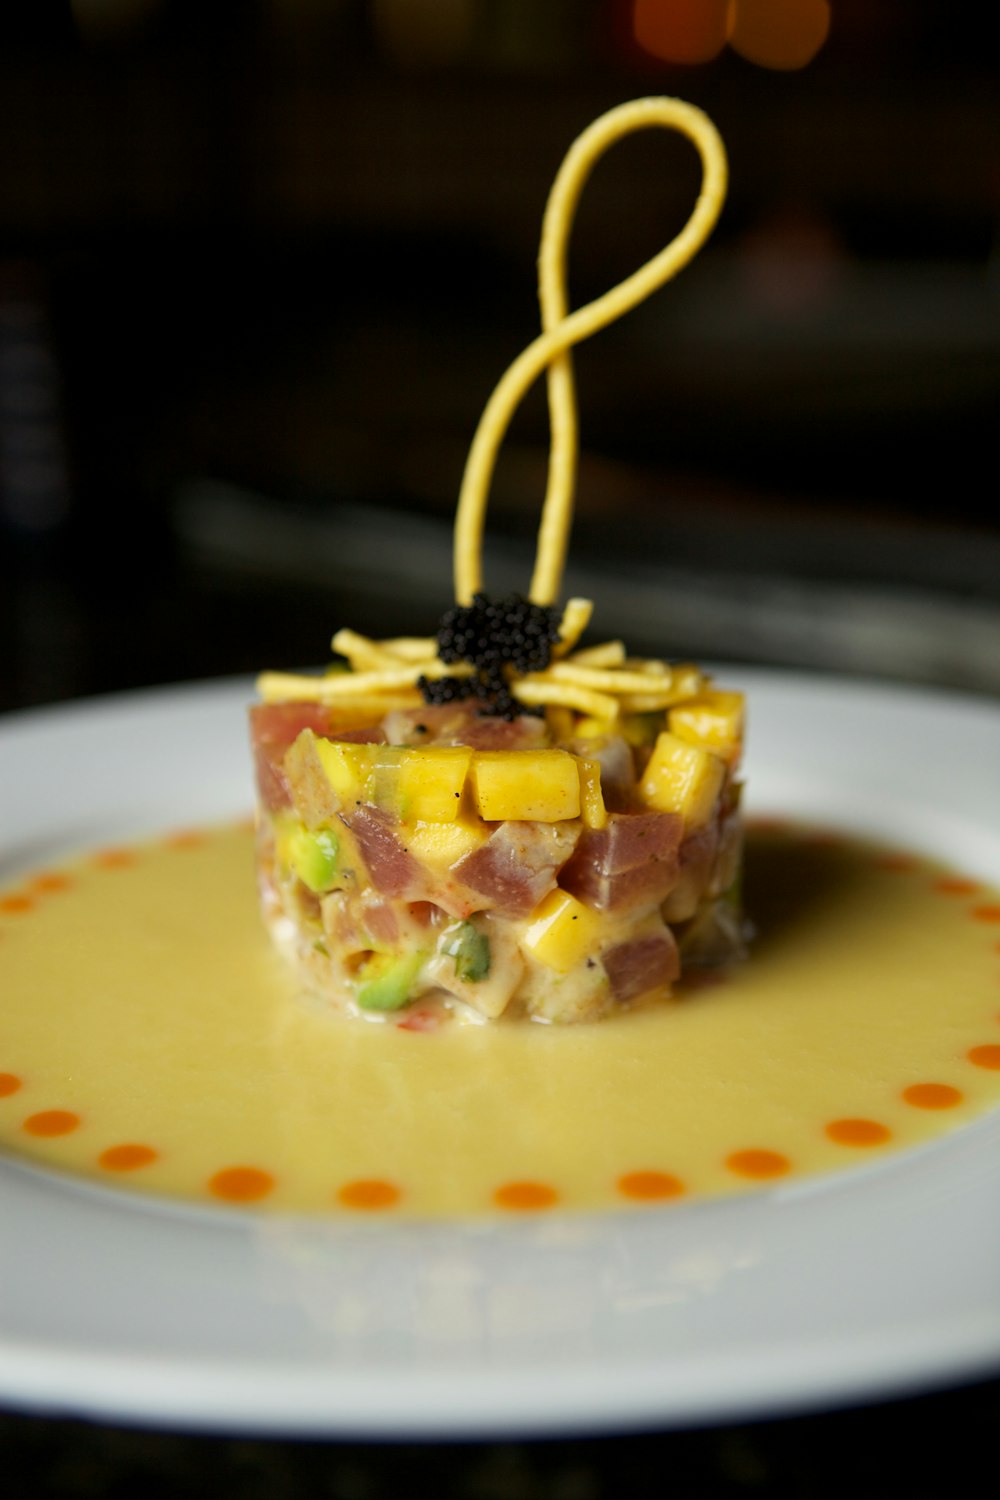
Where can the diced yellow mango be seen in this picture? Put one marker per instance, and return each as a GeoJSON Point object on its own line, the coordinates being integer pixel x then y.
{"type": "Point", "coordinates": [682, 778]}
{"type": "Point", "coordinates": [527, 785]}
{"type": "Point", "coordinates": [686, 679]}
{"type": "Point", "coordinates": [346, 767]}
{"type": "Point", "coordinates": [562, 932]}
{"type": "Point", "coordinates": [409, 783]}
{"type": "Point", "coordinates": [713, 720]}
{"type": "Point", "coordinates": [431, 781]}
{"type": "Point", "coordinates": [592, 808]}
{"type": "Point", "coordinates": [439, 845]}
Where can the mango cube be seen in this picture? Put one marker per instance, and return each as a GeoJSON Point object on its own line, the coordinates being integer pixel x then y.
{"type": "Point", "coordinates": [563, 931]}
{"type": "Point", "coordinates": [686, 679]}
{"type": "Point", "coordinates": [541, 786]}
{"type": "Point", "coordinates": [410, 784]}
{"type": "Point", "coordinates": [346, 767]}
{"type": "Point", "coordinates": [430, 782]}
{"type": "Point", "coordinates": [713, 720]}
{"type": "Point", "coordinates": [440, 844]}
{"type": "Point", "coordinates": [682, 778]}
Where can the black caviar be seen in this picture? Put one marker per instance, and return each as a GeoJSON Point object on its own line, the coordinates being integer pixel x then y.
{"type": "Point", "coordinates": [500, 639]}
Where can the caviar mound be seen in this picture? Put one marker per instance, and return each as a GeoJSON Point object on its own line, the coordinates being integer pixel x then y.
{"type": "Point", "coordinates": [500, 640]}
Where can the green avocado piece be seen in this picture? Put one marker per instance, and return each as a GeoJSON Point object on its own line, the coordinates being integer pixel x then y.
{"type": "Point", "coordinates": [470, 948]}
{"type": "Point", "coordinates": [315, 857]}
{"type": "Point", "coordinates": [387, 981]}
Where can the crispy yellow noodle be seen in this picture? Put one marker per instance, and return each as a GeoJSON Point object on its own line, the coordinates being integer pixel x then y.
{"type": "Point", "coordinates": [562, 329]}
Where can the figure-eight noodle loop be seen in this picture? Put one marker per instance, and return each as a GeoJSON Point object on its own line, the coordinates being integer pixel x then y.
{"type": "Point", "coordinates": [562, 329]}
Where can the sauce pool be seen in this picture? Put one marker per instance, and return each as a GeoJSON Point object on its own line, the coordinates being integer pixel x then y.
{"type": "Point", "coordinates": [151, 1039]}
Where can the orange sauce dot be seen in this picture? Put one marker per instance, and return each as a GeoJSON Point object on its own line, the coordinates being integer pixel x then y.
{"type": "Point", "coordinates": [755, 1162]}
{"type": "Point", "coordinates": [114, 859]}
{"type": "Point", "coordinates": [369, 1193]}
{"type": "Point", "coordinates": [932, 1096]}
{"type": "Point", "coordinates": [9, 1084]}
{"type": "Point", "coordinates": [49, 882]}
{"type": "Point", "coordinates": [15, 906]}
{"type": "Point", "coordinates": [127, 1157]}
{"type": "Point", "coordinates": [987, 1056]}
{"type": "Point", "coordinates": [858, 1132]}
{"type": "Point", "coordinates": [525, 1196]}
{"type": "Point", "coordinates": [241, 1184]}
{"type": "Point", "coordinates": [50, 1122]}
{"type": "Point", "coordinates": [989, 913]}
{"type": "Point", "coordinates": [649, 1186]}
{"type": "Point", "coordinates": [956, 885]}
{"type": "Point", "coordinates": [185, 838]}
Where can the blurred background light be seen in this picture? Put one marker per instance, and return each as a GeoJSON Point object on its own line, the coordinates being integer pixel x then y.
{"type": "Point", "coordinates": [262, 263]}
{"type": "Point", "coordinates": [682, 31]}
{"type": "Point", "coordinates": [781, 34]}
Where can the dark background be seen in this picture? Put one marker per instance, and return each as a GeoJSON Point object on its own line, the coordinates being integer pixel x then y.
{"type": "Point", "coordinates": [262, 261]}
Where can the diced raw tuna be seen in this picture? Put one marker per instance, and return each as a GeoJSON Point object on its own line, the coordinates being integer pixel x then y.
{"type": "Point", "coordinates": [517, 865]}
{"type": "Point", "coordinates": [618, 780]}
{"type": "Point", "coordinates": [460, 724]}
{"type": "Point", "coordinates": [729, 856]}
{"type": "Point", "coordinates": [632, 860]}
{"type": "Point", "coordinates": [429, 725]}
{"type": "Point", "coordinates": [391, 869]}
{"type": "Point", "coordinates": [274, 727]}
{"type": "Point", "coordinates": [312, 796]}
{"type": "Point", "coordinates": [488, 733]}
{"type": "Point", "coordinates": [696, 860]}
{"type": "Point", "coordinates": [380, 921]}
{"type": "Point", "coordinates": [644, 963]}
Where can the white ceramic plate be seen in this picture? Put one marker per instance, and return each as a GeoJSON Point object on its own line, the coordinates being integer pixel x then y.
{"type": "Point", "coordinates": [873, 1283]}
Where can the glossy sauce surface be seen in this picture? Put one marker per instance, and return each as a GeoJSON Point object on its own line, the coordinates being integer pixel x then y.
{"type": "Point", "coordinates": [150, 1038]}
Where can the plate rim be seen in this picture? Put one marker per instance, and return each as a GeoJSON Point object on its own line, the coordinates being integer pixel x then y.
{"type": "Point", "coordinates": [227, 1394]}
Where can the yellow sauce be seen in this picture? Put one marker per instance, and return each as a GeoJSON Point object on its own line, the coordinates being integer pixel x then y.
{"type": "Point", "coordinates": [150, 1038]}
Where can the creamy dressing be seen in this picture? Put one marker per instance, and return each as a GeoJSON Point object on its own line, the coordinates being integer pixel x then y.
{"type": "Point", "coordinates": [151, 1038]}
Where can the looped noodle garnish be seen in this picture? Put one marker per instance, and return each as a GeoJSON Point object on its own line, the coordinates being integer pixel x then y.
{"type": "Point", "coordinates": [598, 681]}
{"type": "Point", "coordinates": [562, 329]}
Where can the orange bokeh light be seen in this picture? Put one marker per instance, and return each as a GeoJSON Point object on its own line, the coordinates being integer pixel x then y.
{"type": "Point", "coordinates": [784, 34]}
{"type": "Point", "coordinates": [681, 31]}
